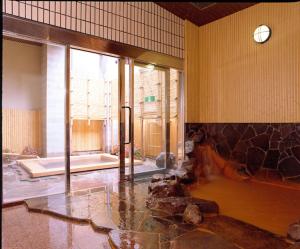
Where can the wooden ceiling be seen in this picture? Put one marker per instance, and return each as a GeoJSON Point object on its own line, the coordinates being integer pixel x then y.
{"type": "Point", "coordinates": [201, 13]}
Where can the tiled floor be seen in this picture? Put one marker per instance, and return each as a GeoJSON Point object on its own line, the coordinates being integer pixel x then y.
{"type": "Point", "coordinates": [18, 185]}
{"type": "Point", "coordinates": [26, 230]}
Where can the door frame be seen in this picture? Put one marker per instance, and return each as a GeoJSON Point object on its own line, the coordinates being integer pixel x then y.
{"type": "Point", "coordinates": [165, 125]}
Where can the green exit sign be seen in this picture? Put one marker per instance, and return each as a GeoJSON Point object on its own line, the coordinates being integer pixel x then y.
{"type": "Point", "coordinates": [150, 99]}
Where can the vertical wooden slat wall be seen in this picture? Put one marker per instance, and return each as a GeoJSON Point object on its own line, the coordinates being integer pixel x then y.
{"type": "Point", "coordinates": [141, 24]}
{"type": "Point", "coordinates": [87, 137]}
{"type": "Point", "coordinates": [191, 69]}
{"type": "Point", "coordinates": [21, 128]}
{"type": "Point", "coordinates": [231, 78]}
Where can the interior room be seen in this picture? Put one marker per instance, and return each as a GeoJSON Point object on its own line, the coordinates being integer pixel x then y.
{"type": "Point", "coordinates": [34, 152]}
{"type": "Point", "coordinates": [151, 125]}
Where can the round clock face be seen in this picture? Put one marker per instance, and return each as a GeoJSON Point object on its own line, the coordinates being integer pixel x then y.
{"type": "Point", "coordinates": [262, 33]}
{"type": "Point", "coordinates": [189, 146]}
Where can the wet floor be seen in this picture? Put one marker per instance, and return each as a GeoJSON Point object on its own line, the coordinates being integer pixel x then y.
{"type": "Point", "coordinates": [267, 206]}
{"type": "Point", "coordinates": [120, 211]}
{"type": "Point", "coordinates": [18, 185]}
{"type": "Point", "coordinates": [26, 230]}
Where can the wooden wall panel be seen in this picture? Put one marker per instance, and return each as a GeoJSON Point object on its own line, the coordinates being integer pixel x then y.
{"type": "Point", "coordinates": [21, 128]}
{"type": "Point", "coordinates": [234, 79]}
{"type": "Point", "coordinates": [138, 133]}
{"type": "Point", "coordinates": [153, 138]}
{"type": "Point", "coordinates": [174, 136]}
{"type": "Point", "coordinates": [191, 68]}
{"type": "Point", "coordinates": [87, 137]}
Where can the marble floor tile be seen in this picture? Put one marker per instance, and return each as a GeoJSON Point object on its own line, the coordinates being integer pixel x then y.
{"type": "Point", "coordinates": [38, 231]}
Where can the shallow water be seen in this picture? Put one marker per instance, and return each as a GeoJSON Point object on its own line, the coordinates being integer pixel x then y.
{"type": "Point", "coordinates": [269, 207]}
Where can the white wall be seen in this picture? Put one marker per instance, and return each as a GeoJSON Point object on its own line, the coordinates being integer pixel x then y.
{"type": "Point", "coordinates": [53, 100]}
{"type": "Point", "coordinates": [22, 75]}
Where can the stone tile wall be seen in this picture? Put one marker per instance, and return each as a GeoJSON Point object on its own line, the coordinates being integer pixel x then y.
{"type": "Point", "coordinates": [259, 146]}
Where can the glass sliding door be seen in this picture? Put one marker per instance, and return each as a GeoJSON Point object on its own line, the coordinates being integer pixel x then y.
{"type": "Point", "coordinates": [151, 116]}
{"type": "Point", "coordinates": [146, 118]}
{"type": "Point", "coordinates": [94, 119]}
{"type": "Point", "coordinates": [33, 121]}
{"type": "Point", "coordinates": [153, 119]}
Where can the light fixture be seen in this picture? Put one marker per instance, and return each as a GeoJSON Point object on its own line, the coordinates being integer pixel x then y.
{"type": "Point", "coordinates": [262, 33]}
{"type": "Point", "coordinates": [150, 66]}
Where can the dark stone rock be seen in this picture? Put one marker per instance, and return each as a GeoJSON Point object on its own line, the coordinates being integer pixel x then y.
{"type": "Point", "coordinates": [255, 158]}
{"type": "Point", "coordinates": [276, 136]}
{"type": "Point", "coordinates": [192, 214]}
{"type": "Point", "coordinates": [249, 133]}
{"type": "Point", "coordinates": [232, 142]}
{"type": "Point", "coordinates": [161, 177]}
{"type": "Point", "coordinates": [261, 141]}
{"type": "Point", "coordinates": [188, 165]}
{"type": "Point", "coordinates": [241, 146]}
{"type": "Point", "coordinates": [231, 135]}
{"type": "Point", "coordinates": [190, 134]}
{"type": "Point", "coordinates": [271, 160]}
{"type": "Point", "coordinates": [282, 156]}
{"type": "Point", "coordinates": [298, 129]}
{"type": "Point", "coordinates": [285, 130]}
{"type": "Point", "coordinates": [260, 128]}
{"type": "Point", "coordinates": [294, 231]}
{"type": "Point", "coordinates": [199, 136]}
{"type": "Point", "coordinates": [281, 146]}
{"type": "Point", "coordinates": [167, 229]}
{"type": "Point", "coordinates": [289, 152]}
{"type": "Point", "coordinates": [241, 128]}
{"type": "Point", "coordinates": [269, 130]}
{"type": "Point", "coordinates": [166, 188]}
{"type": "Point", "coordinates": [161, 160]}
{"type": "Point", "coordinates": [201, 240]}
{"type": "Point", "coordinates": [177, 205]}
{"type": "Point", "coordinates": [194, 126]}
{"type": "Point", "coordinates": [296, 152]}
{"type": "Point", "coordinates": [238, 156]}
{"type": "Point", "coordinates": [291, 140]}
{"type": "Point", "coordinates": [223, 149]}
{"type": "Point", "coordinates": [289, 167]}
{"type": "Point", "coordinates": [274, 145]}
{"type": "Point", "coordinates": [183, 175]}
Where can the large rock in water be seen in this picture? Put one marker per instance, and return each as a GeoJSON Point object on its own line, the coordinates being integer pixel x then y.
{"type": "Point", "coordinates": [192, 214]}
{"type": "Point", "coordinates": [166, 188]}
{"type": "Point", "coordinates": [161, 159]}
{"type": "Point", "coordinates": [161, 177]}
{"type": "Point", "coordinates": [294, 231]}
{"type": "Point", "coordinates": [177, 205]}
{"type": "Point", "coordinates": [183, 176]}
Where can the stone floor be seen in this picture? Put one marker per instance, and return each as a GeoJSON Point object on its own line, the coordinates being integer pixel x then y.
{"type": "Point", "coordinates": [18, 185]}
{"type": "Point", "coordinates": [119, 210]}
{"type": "Point", "coordinates": [26, 230]}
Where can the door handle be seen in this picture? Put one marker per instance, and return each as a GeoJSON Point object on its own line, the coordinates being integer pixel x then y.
{"type": "Point", "coordinates": [130, 128]}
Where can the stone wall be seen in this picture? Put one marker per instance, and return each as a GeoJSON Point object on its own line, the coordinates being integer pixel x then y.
{"type": "Point", "coordinates": [258, 146]}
